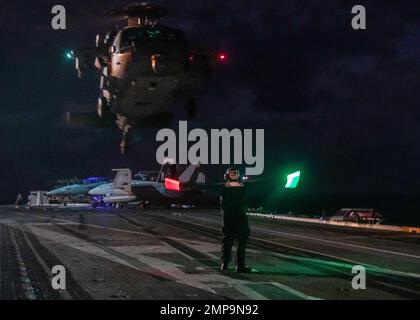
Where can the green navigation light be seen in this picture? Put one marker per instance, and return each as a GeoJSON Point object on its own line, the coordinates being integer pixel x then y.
{"type": "Point", "coordinates": [292, 180]}
{"type": "Point", "coordinates": [70, 55]}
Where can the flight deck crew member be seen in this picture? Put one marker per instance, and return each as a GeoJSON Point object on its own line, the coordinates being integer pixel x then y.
{"type": "Point", "coordinates": [19, 198]}
{"type": "Point", "coordinates": [235, 220]}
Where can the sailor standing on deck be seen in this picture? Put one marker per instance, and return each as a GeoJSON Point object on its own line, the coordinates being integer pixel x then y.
{"type": "Point", "coordinates": [235, 220]}
{"type": "Point", "coordinates": [19, 198]}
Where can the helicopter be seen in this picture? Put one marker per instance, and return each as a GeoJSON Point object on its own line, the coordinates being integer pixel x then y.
{"type": "Point", "coordinates": [143, 68]}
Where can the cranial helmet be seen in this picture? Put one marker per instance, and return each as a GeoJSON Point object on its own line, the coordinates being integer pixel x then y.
{"type": "Point", "coordinates": [230, 170]}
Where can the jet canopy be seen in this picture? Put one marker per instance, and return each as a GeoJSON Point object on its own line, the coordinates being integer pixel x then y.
{"type": "Point", "coordinates": [92, 180]}
{"type": "Point", "coordinates": [138, 35]}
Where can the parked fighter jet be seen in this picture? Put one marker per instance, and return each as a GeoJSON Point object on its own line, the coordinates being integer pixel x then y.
{"type": "Point", "coordinates": [143, 68]}
{"type": "Point", "coordinates": [125, 190]}
{"type": "Point", "coordinates": [77, 191]}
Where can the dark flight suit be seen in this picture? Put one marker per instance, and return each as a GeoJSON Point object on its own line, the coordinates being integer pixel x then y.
{"type": "Point", "coordinates": [235, 221]}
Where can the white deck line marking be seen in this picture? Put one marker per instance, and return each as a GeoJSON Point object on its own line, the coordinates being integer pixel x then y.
{"type": "Point", "coordinates": [200, 281]}
{"type": "Point", "coordinates": [295, 292]}
{"type": "Point", "coordinates": [240, 287]}
{"type": "Point", "coordinates": [26, 281]}
{"type": "Point", "coordinates": [244, 290]}
{"type": "Point", "coordinates": [250, 292]}
{"type": "Point", "coordinates": [96, 226]}
{"type": "Point", "coordinates": [318, 239]}
{"type": "Point", "coordinates": [49, 224]}
{"type": "Point", "coordinates": [350, 266]}
{"type": "Point", "coordinates": [377, 269]}
{"type": "Point", "coordinates": [64, 293]}
{"type": "Point", "coordinates": [186, 278]}
{"type": "Point", "coordinates": [284, 287]}
{"type": "Point", "coordinates": [338, 243]}
{"type": "Point", "coordinates": [163, 241]}
{"type": "Point", "coordinates": [164, 267]}
{"type": "Point", "coordinates": [121, 230]}
{"type": "Point", "coordinates": [76, 243]}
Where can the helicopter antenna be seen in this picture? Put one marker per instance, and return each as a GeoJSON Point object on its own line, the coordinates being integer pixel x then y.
{"type": "Point", "coordinates": [139, 14]}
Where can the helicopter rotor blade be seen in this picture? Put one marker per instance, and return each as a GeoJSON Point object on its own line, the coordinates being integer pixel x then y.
{"type": "Point", "coordinates": [138, 10]}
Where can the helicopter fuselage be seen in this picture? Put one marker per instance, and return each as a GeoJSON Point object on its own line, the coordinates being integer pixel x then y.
{"type": "Point", "coordinates": [143, 69]}
{"type": "Point", "coordinates": [147, 68]}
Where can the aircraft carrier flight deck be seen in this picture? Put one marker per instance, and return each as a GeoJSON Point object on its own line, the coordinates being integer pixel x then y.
{"type": "Point", "coordinates": [154, 254]}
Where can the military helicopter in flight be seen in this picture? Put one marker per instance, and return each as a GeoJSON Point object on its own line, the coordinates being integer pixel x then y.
{"type": "Point", "coordinates": [143, 68]}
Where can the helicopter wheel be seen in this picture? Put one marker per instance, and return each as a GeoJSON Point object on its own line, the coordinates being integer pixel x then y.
{"type": "Point", "coordinates": [102, 107]}
{"type": "Point", "coordinates": [123, 149]}
{"type": "Point", "coordinates": [191, 108]}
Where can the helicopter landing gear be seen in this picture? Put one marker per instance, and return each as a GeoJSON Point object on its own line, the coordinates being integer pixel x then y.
{"type": "Point", "coordinates": [124, 127]}
{"type": "Point", "coordinates": [102, 107]}
{"type": "Point", "coordinates": [191, 108]}
{"type": "Point", "coordinates": [124, 143]}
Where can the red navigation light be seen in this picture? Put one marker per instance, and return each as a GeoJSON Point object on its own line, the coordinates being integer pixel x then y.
{"type": "Point", "coordinates": [171, 184]}
{"type": "Point", "coordinates": [222, 56]}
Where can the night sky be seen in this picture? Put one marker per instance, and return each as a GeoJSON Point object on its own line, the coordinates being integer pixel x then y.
{"type": "Point", "coordinates": [342, 105]}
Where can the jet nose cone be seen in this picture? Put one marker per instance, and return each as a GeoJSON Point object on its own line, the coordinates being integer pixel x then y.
{"type": "Point", "coordinates": [99, 190]}
{"type": "Point", "coordinates": [54, 192]}
{"type": "Point", "coordinates": [93, 192]}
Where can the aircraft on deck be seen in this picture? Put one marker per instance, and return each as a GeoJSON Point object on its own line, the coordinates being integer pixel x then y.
{"type": "Point", "coordinates": [165, 189]}
{"type": "Point", "coordinates": [78, 191]}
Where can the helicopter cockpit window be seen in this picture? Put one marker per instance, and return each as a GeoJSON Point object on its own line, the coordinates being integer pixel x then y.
{"type": "Point", "coordinates": [138, 35]}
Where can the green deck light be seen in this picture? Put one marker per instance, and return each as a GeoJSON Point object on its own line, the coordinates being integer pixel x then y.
{"type": "Point", "coordinates": [292, 180]}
